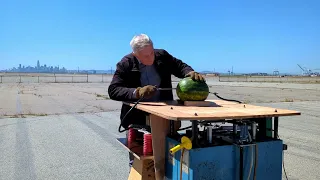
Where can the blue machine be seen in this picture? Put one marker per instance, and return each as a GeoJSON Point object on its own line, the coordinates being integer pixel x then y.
{"type": "Point", "coordinates": [240, 151]}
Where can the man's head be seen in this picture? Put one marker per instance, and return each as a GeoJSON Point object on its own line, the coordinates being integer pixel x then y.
{"type": "Point", "coordinates": [142, 47]}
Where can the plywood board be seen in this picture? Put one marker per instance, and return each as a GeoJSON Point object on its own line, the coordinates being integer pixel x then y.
{"type": "Point", "coordinates": [135, 148]}
{"type": "Point", "coordinates": [219, 110]}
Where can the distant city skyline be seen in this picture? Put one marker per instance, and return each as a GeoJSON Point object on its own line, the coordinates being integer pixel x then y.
{"type": "Point", "coordinates": [37, 68]}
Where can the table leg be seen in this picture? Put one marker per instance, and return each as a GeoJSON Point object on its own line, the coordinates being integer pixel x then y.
{"type": "Point", "coordinates": [276, 127]}
{"type": "Point", "coordinates": [160, 128]}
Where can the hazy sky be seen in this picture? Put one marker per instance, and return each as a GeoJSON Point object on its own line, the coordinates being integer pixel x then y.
{"type": "Point", "coordinates": [251, 35]}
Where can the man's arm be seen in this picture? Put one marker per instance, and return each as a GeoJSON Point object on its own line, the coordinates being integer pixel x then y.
{"type": "Point", "coordinates": [118, 89]}
{"type": "Point", "coordinates": [178, 67]}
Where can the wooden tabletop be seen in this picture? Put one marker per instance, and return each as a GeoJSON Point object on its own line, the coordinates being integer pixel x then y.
{"type": "Point", "coordinates": [218, 110]}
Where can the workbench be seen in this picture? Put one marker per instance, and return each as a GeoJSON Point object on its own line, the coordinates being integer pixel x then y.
{"type": "Point", "coordinates": [229, 155]}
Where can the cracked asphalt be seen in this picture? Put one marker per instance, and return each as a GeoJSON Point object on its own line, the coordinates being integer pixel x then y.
{"type": "Point", "coordinates": [68, 131]}
{"type": "Point", "coordinates": [78, 146]}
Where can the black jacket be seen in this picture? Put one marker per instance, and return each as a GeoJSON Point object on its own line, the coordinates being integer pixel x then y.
{"type": "Point", "coordinates": [127, 77]}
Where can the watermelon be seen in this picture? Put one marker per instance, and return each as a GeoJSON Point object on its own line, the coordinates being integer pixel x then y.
{"type": "Point", "coordinates": [190, 90]}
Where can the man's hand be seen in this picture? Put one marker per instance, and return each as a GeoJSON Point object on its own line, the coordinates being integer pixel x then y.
{"type": "Point", "coordinates": [146, 91]}
{"type": "Point", "coordinates": [195, 76]}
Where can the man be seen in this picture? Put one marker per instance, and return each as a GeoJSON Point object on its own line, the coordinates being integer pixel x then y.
{"type": "Point", "coordinates": [139, 73]}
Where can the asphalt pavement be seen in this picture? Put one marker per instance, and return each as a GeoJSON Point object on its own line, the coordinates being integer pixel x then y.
{"type": "Point", "coordinates": [78, 146]}
{"type": "Point", "coordinates": [84, 146]}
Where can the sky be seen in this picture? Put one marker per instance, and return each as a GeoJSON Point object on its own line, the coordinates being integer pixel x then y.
{"type": "Point", "coordinates": [248, 36]}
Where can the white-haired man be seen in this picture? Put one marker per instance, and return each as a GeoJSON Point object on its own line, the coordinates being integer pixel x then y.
{"type": "Point", "coordinates": [137, 75]}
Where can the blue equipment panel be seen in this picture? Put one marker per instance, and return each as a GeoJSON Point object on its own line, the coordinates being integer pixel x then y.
{"type": "Point", "coordinates": [223, 162]}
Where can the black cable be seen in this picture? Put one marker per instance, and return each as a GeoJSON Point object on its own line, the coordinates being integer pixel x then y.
{"type": "Point", "coordinates": [216, 94]}
{"type": "Point", "coordinates": [136, 103]}
{"type": "Point", "coordinates": [284, 169]}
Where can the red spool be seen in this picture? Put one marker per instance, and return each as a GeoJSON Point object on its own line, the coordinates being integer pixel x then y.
{"type": "Point", "coordinates": [131, 136]}
{"type": "Point", "coordinates": [147, 144]}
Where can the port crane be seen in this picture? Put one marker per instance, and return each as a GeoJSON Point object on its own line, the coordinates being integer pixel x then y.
{"type": "Point", "coordinates": [309, 72]}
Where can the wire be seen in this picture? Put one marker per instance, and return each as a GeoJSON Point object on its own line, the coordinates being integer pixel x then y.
{"type": "Point", "coordinates": [216, 94]}
{"type": "Point", "coordinates": [136, 103]}
{"type": "Point", "coordinates": [251, 164]}
{"type": "Point", "coordinates": [284, 169]}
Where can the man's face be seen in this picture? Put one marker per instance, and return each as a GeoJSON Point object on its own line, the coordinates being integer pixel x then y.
{"type": "Point", "coordinates": [146, 55]}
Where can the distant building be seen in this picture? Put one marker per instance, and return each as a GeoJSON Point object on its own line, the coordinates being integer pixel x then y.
{"type": "Point", "coordinates": [37, 69]}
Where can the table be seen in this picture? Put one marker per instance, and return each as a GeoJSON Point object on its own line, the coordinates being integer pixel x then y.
{"type": "Point", "coordinates": [162, 113]}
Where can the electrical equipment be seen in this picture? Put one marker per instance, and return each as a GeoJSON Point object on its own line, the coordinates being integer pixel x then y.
{"type": "Point", "coordinates": [228, 150]}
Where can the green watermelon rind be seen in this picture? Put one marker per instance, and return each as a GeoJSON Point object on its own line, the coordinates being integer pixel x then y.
{"type": "Point", "coordinates": [190, 90]}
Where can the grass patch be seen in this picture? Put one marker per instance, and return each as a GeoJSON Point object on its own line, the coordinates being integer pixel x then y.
{"type": "Point", "coordinates": [37, 95]}
{"type": "Point", "coordinates": [287, 100]}
{"type": "Point", "coordinates": [102, 96]}
{"type": "Point", "coordinates": [17, 116]}
{"type": "Point", "coordinates": [99, 107]}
